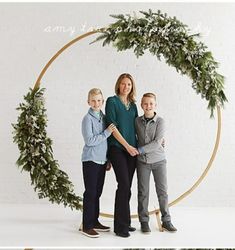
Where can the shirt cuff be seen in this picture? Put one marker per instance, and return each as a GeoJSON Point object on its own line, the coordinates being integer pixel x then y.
{"type": "Point", "coordinates": [141, 150]}
{"type": "Point", "coordinates": [107, 132]}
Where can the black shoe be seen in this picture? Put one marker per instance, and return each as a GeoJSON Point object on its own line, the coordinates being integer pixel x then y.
{"type": "Point", "coordinates": [124, 235]}
{"type": "Point", "coordinates": [145, 228]}
{"type": "Point", "coordinates": [167, 226]}
{"type": "Point", "coordinates": [131, 229]}
{"type": "Point", "coordinates": [101, 228]}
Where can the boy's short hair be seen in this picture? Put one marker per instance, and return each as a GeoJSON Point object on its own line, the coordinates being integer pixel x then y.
{"type": "Point", "coordinates": [94, 91]}
{"type": "Point", "coordinates": [150, 95]}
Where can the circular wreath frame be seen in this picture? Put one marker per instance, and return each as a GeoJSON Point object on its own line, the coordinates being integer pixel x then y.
{"type": "Point", "coordinates": [33, 112]}
{"type": "Point", "coordinates": [212, 157]}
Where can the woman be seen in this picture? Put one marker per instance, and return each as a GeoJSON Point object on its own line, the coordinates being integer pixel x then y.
{"type": "Point", "coordinates": [121, 110]}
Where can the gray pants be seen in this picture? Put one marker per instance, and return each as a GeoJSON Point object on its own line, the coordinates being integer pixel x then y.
{"type": "Point", "coordinates": [158, 170]}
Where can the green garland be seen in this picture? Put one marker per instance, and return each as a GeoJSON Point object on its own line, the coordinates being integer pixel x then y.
{"type": "Point", "coordinates": [168, 38]}
{"type": "Point", "coordinates": [164, 37]}
{"type": "Point", "coordinates": [36, 155]}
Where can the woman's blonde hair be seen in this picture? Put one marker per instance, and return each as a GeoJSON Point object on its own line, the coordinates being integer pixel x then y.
{"type": "Point", "coordinates": [94, 91]}
{"type": "Point", "coordinates": [132, 94]}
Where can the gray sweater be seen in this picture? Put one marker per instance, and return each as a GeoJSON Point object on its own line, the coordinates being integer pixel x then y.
{"type": "Point", "coordinates": [149, 136]}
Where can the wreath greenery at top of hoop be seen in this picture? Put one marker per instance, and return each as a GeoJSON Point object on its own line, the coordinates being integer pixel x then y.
{"type": "Point", "coordinates": [169, 38]}
{"type": "Point", "coordinates": [164, 37]}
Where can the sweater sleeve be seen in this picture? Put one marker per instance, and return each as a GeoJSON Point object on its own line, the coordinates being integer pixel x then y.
{"type": "Point", "coordinates": [136, 111]}
{"type": "Point", "coordinates": [157, 142]}
{"type": "Point", "coordinates": [110, 112]}
{"type": "Point", "coordinates": [88, 136]}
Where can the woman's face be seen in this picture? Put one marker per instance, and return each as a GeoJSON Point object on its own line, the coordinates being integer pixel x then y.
{"type": "Point", "coordinates": [125, 86]}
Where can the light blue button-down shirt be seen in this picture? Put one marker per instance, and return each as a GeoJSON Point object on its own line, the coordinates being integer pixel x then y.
{"type": "Point", "coordinates": [95, 137]}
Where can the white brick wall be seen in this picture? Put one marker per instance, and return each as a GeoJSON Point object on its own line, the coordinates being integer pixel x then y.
{"type": "Point", "coordinates": [32, 33]}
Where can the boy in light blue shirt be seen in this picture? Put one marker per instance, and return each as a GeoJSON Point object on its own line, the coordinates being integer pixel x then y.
{"type": "Point", "coordinates": [94, 162]}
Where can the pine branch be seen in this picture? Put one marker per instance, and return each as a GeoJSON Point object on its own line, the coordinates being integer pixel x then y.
{"type": "Point", "coordinates": [36, 155]}
{"type": "Point", "coordinates": [167, 37]}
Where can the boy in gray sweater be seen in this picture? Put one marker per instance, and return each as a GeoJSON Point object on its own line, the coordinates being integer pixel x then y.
{"type": "Point", "coordinates": [150, 132]}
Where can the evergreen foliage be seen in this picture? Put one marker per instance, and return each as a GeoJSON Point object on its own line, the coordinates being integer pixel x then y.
{"type": "Point", "coordinates": [168, 38]}
{"type": "Point", "coordinates": [36, 154]}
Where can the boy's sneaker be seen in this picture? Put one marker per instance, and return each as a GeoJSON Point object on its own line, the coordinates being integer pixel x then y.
{"type": "Point", "coordinates": [90, 233]}
{"type": "Point", "coordinates": [167, 226]}
{"type": "Point", "coordinates": [145, 228]}
{"type": "Point", "coordinates": [101, 228]}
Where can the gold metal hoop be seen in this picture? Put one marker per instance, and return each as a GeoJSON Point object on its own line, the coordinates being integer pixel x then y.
{"type": "Point", "coordinates": [213, 154]}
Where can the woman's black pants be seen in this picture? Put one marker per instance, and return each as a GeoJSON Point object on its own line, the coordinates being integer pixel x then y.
{"type": "Point", "coordinates": [124, 166]}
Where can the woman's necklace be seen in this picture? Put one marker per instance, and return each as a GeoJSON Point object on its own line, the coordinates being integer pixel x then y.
{"type": "Point", "coordinates": [126, 104]}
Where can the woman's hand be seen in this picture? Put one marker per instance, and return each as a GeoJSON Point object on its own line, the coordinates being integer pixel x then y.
{"type": "Point", "coordinates": [132, 150]}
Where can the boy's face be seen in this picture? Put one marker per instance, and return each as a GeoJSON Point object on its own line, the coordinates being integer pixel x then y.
{"type": "Point", "coordinates": [96, 102]}
{"type": "Point", "coordinates": [148, 104]}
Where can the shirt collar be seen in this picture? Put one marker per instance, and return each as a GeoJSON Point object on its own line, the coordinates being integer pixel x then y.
{"type": "Point", "coordinates": [154, 118]}
{"type": "Point", "coordinates": [94, 113]}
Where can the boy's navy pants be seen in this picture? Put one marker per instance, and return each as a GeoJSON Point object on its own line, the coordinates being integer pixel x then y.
{"type": "Point", "coordinates": [93, 176]}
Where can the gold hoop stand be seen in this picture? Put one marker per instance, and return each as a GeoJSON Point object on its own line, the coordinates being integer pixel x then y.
{"type": "Point", "coordinates": [209, 164]}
